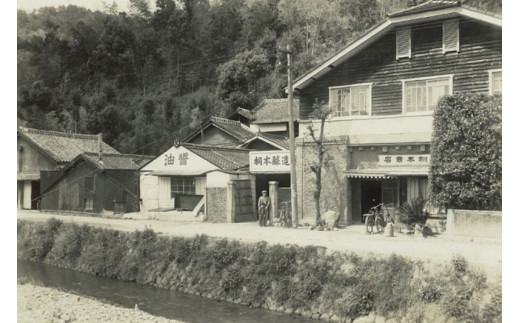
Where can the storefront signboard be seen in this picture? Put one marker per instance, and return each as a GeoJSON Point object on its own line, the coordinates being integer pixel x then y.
{"type": "Point", "coordinates": [404, 160]}
{"type": "Point", "coordinates": [271, 161]}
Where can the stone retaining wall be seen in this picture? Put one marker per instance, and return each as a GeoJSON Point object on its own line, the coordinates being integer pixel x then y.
{"type": "Point", "coordinates": [217, 198]}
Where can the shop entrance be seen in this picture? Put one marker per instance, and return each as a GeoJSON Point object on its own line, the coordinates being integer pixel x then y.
{"type": "Point", "coordinates": [371, 194]}
{"type": "Point", "coordinates": [262, 182]}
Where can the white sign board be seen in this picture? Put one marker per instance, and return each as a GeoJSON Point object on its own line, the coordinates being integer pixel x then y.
{"type": "Point", "coordinates": [404, 160]}
{"type": "Point", "coordinates": [181, 161]}
{"type": "Point", "coordinates": [271, 161]}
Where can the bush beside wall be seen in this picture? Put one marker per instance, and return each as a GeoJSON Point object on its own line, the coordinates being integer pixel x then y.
{"type": "Point", "coordinates": [301, 280]}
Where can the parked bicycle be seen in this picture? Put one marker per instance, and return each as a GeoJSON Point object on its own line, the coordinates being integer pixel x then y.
{"type": "Point", "coordinates": [285, 214]}
{"type": "Point", "coordinates": [377, 216]}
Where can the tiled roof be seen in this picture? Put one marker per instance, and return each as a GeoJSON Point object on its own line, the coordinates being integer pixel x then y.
{"type": "Point", "coordinates": [232, 127]}
{"type": "Point", "coordinates": [245, 113]}
{"type": "Point", "coordinates": [279, 140]}
{"type": "Point", "coordinates": [61, 146]}
{"type": "Point", "coordinates": [275, 110]}
{"type": "Point", "coordinates": [427, 6]}
{"type": "Point", "coordinates": [222, 157]}
{"type": "Point", "coordinates": [118, 161]}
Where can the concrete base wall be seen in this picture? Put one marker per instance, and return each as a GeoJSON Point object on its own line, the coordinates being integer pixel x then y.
{"type": "Point", "coordinates": [486, 224]}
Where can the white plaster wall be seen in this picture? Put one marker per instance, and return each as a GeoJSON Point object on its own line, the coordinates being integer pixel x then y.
{"type": "Point", "coordinates": [254, 128]}
{"type": "Point", "coordinates": [271, 127]}
{"type": "Point", "coordinates": [219, 179]}
{"type": "Point", "coordinates": [200, 185]}
{"type": "Point", "coordinates": [373, 125]}
{"type": "Point", "coordinates": [149, 189]}
{"type": "Point", "coordinates": [27, 189]}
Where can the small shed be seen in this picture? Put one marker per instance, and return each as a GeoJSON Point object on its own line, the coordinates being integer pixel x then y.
{"type": "Point", "coordinates": [191, 182]}
{"type": "Point", "coordinates": [95, 183]}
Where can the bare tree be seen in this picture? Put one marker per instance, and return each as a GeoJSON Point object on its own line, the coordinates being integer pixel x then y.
{"type": "Point", "coordinates": [321, 112]}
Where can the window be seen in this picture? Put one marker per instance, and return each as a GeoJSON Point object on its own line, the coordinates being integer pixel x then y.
{"type": "Point", "coordinates": [495, 82]}
{"type": "Point", "coordinates": [183, 185]}
{"type": "Point", "coordinates": [450, 36]}
{"type": "Point", "coordinates": [403, 43]}
{"type": "Point", "coordinates": [350, 100]}
{"type": "Point", "coordinates": [422, 95]}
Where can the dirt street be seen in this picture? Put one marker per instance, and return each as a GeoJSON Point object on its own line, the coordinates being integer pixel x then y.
{"type": "Point", "coordinates": [485, 254]}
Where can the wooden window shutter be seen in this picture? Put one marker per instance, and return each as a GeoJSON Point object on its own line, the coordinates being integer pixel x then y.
{"type": "Point", "coordinates": [403, 43]}
{"type": "Point", "coordinates": [450, 36]}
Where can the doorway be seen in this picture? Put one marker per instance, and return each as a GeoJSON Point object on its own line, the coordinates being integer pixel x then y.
{"type": "Point", "coordinates": [370, 194]}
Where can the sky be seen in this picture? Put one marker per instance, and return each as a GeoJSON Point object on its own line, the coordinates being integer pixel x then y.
{"type": "Point", "coordinates": [30, 5]}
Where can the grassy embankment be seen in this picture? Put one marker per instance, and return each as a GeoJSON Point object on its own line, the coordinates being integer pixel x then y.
{"type": "Point", "coordinates": [299, 280]}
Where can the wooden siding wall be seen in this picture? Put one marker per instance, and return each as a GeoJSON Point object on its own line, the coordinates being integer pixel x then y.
{"type": "Point", "coordinates": [480, 50]}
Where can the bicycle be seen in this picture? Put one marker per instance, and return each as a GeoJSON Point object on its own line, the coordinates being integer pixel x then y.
{"type": "Point", "coordinates": [375, 217]}
{"type": "Point", "coordinates": [285, 215]}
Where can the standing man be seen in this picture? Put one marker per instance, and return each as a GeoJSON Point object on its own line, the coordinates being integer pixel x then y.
{"type": "Point", "coordinates": [263, 208]}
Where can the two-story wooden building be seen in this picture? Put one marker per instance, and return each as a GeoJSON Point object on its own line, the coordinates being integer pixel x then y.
{"type": "Point", "coordinates": [383, 88]}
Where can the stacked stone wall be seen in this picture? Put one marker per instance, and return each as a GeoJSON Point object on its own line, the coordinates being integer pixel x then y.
{"type": "Point", "coordinates": [334, 187]}
{"type": "Point", "coordinates": [216, 200]}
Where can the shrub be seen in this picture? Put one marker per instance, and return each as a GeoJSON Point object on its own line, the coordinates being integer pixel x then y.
{"type": "Point", "coordinates": [466, 152]}
{"type": "Point", "coordinates": [413, 211]}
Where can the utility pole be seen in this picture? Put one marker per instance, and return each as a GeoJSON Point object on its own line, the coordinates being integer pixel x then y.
{"type": "Point", "coordinates": [292, 155]}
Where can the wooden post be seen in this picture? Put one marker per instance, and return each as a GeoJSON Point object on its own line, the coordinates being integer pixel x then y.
{"type": "Point", "coordinates": [253, 197]}
{"type": "Point", "coordinates": [294, 192]}
{"type": "Point", "coordinates": [273, 195]}
{"type": "Point", "coordinates": [231, 211]}
{"type": "Point", "coordinates": [100, 145]}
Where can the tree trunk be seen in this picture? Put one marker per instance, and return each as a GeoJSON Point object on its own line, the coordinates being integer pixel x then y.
{"type": "Point", "coordinates": [317, 195]}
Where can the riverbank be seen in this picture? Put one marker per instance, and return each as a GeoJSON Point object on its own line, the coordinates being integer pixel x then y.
{"type": "Point", "coordinates": [486, 254]}
{"type": "Point", "coordinates": [307, 281]}
{"type": "Point", "coordinates": [43, 304]}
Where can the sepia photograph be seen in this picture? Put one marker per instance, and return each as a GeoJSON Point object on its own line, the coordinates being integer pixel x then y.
{"type": "Point", "coordinates": [279, 161]}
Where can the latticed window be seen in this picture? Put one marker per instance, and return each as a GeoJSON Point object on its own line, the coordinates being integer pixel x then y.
{"type": "Point", "coordinates": [450, 36]}
{"type": "Point", "coordinates": [183, 185]}
{"type": "Point", "coordinates": [350, 100]}
{"type": "Point", "coordinates": [403, 43]}
{"type": "Point", "coordinates": [495, 82]}
{"type": "Point", "coordinates": [423, 95]}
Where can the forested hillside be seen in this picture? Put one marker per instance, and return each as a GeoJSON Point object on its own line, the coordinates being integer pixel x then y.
{"type": "Point", "coordinates": [148, 76]}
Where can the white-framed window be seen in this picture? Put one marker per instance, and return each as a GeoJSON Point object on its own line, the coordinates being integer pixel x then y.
{"type": "Point", "coordinates": [421, 95]}
{"type": "Point", "coordinates": [495, 82]}
{"type": "Point", "coordinates": [351, 100]}
{"type": "Point", "coordinates": [182, 185]}
{"type": "Point", "coordinates": [403, 43]}
{"type": "Point", "coordinates": [450, 36]}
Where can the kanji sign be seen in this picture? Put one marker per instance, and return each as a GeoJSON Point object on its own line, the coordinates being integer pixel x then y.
{"type": "Point", "coordinates": [404, 160]}
{"type": "Point", "coordinates": [272, 161]}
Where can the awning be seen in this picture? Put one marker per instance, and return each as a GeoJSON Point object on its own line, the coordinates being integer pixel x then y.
{"type": "Point", "coordinates": [367, 174]}
{"type": "Point", "coordinates": [28, 176]}
{"type": "Point", "coordinates": [384, 173]}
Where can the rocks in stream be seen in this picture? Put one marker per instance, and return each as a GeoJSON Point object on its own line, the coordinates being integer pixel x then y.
{"type": "Point", "coordinates": [43, 304]}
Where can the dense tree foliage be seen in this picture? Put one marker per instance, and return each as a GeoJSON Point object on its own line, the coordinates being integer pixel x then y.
{"type": "Point", "coordinates": [147, 69]}
{"type": "Point", "coordinates": [466, 165]}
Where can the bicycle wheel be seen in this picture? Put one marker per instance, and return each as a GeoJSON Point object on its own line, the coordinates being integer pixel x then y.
{"type": "Point", "coordinates": [369, 224]}
{"type": "Point", "coordinates": [380, 224]}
